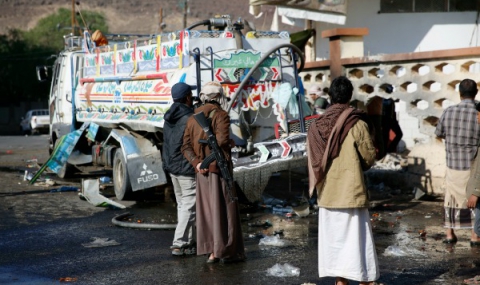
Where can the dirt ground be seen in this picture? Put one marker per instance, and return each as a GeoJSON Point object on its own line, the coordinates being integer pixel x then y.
{"type": "Point", "coordinates": [27, 203]}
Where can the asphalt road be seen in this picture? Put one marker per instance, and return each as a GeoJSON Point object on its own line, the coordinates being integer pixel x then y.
{"type": "Point", "coordinates": [42, 236]}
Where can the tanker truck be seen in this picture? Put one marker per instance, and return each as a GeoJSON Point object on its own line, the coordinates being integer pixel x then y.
{"type": "Point", "coordinates": [116, 94]}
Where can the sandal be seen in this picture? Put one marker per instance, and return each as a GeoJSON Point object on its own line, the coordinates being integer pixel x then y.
{"type": "Point", "coordinates": [474, 280]}
{"type": "Point", "coordinates": [178, 251]}
{"type": "Point", "coordinates": [450, 240]}
{"type": "Point", "coordinates": [212, 260]}
{"type": "Point", "coordinates": [474, 243]}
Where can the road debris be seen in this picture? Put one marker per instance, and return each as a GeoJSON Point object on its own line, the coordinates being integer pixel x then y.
{"type": "Point", "coordinates": [285, 270]}
{"type": "Point", "coordinates": [91, 192]}
{"type": "Point", "coordinates": [274, 241]}
{"type": "Point", "coordinates": [263, 224]}
{"type": "Point", "coordinates": [101, 242]}
{"type": "Point", "coordinates": [302, 210]}
{"type": "Point", "coordinates": [68, 279]}
{"type": "Point", "coordinates": [405, 246]}
{"type": "Point", "coordinates": [65, 189]}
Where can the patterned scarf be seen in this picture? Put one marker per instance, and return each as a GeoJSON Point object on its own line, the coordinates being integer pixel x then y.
{"type": "Point", "coordinates": [319, 133]}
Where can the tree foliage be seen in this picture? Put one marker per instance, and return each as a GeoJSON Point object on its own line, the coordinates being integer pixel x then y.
{"type": "Point", "coordinates": [50, 30]}
{"type": "Point", "coordinates": [21, 51]}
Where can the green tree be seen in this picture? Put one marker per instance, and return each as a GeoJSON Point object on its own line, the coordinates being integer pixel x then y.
{"type": "Point", "coordinates": [22, 51]}
{"type": "Point", "coordinates": [50, 30]}
{"type": "Point", "coordinates": [17, 69]}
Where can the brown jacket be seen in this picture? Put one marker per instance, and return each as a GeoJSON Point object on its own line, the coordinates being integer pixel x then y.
{"type": "Point", "coordinates": [195, 151]}
{"type": "Point", "coordinates": [344, 185]}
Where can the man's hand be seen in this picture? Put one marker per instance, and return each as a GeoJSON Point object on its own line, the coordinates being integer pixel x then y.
{"type": "Point", "coordinates": [202, 171]}
{"type": "Point", "coordinates": [472, 201]}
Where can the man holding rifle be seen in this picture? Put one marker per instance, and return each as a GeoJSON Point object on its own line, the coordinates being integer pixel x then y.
{"type": "Point", "coordinates": [208, 149]}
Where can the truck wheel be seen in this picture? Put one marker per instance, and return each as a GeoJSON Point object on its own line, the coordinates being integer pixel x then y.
{"type": "Point", "coordinates": [121, 181]}
{"type": "Point", "coordinates": [67, 169]}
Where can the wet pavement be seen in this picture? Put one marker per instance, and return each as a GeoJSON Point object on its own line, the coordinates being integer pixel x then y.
{"type": "Point", "coordinates": [42, 232]}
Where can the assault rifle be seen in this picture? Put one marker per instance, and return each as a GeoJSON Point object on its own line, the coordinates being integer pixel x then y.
{"type": "Point", "coordinates": [217, 153]}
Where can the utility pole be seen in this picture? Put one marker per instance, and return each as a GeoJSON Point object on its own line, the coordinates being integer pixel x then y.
{"type": "Point", "coordinates": [73, 17]}
{"type": "Point", "coordinates": [160, 22]}
{"type": "Point", "coordinates": [185, 11]}
{"type": "Point", "coordinates": [310, 47]}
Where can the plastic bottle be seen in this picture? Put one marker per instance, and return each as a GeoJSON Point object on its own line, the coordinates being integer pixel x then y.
{"type": "Point", "coordinates": [105, 179]}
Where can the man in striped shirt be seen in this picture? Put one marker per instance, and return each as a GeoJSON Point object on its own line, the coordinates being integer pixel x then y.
{"type": "Point", "coordinates": [458, 126]}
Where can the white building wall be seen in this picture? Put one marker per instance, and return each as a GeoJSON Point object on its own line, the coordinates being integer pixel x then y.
{"type": "Point", "coordinates": [410, 128]}
{"type": "Point", "coordinates": [403, 32]}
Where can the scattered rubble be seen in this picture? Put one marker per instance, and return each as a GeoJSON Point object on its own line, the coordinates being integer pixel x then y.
{"type": "Point", "coordinates": [101, 242]}
{"type": "Point", "coordinates": [274, 241]}
{"type": "Point", "coordinates": [285, 270]}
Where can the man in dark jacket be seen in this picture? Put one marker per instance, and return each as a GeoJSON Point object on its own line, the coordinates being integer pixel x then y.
{"type": "Point", "coordinates": [180, 170]}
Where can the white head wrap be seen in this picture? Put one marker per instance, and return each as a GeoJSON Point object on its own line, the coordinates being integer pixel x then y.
{"type": "Point", "coordinates": [315, 89]}
{"type": "Point", "coordinates": [213, 91]}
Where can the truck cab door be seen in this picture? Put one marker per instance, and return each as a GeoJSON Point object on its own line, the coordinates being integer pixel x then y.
{"type": "Point", "coordinates": [60, 101]}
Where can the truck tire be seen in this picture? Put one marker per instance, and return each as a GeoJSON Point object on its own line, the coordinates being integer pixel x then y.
{"type": "Point", "coordinates": [121, 181]}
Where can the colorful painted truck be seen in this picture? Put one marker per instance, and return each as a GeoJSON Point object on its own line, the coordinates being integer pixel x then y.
{"type": "Point", "coordinates": [123, 88]}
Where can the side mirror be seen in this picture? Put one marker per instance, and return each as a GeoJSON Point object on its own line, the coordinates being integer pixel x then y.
{"type": "Point", "coordinates": [42, 73]}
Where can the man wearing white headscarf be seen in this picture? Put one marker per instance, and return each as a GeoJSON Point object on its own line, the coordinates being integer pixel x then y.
{"type": "Point", "coordinates": [318, 99]}
{"type": "Point", "coordinates": [213, 91]}
{"type": "Point", "coordinates": [219, 232]}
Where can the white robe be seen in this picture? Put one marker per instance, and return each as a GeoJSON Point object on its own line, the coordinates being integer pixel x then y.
{"type": "Point", "coordinates": [345, 245]}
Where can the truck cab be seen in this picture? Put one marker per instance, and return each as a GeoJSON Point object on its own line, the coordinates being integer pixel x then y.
{"type": "Point", "coordinates": [60, 102]}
